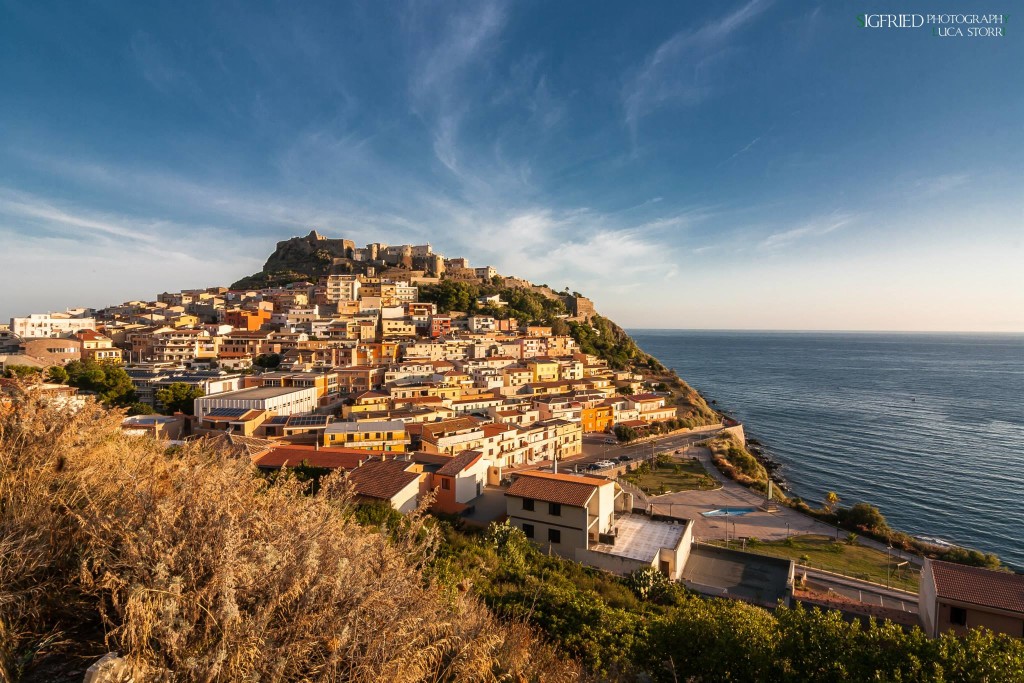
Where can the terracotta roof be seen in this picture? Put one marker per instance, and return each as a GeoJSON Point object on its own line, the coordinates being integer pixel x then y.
{"type": "Point", "coordinates": [494, 428]}
{"type": "Point", "coordinates": [457, 424]}
{"type": "Point", "coordinates": [555, 488]}
{"type": "Point", "coordinates": [371, 394]}
{"type": "Point", "coordinates": [330, 458]}
{"type": "Point", "coordinates": [985, 587]}
{"type": "Point", "coordinates": [381, 479]}
{"type": "Point", "coordinates": [424, 457]}
{"type": "Point", "coordinates": [459, 463]}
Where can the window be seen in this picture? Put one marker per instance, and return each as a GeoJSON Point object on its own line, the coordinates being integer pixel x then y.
{"type": "Point", "coordinates": [446, 484]}
{"type": "Point", "coordinates": [528, 530]}
{"type": "Point", "coordinates": [958, 616]}
{"type": "Point", "coordinates": [555, 535]}
{"type": "Point", "coordinates": [555, 509]}
{"type": "Point", "coordinates": [528, 504]}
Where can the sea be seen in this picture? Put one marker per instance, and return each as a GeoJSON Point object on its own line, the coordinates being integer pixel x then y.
{"type": "Point", "coordinates": [927, 427]}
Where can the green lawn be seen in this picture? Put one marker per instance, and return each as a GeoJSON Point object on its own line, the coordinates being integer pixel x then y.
{"type": "Point", "coordinates": [676, 475]}
{"type": "Point", "coordinates": [822, 552]}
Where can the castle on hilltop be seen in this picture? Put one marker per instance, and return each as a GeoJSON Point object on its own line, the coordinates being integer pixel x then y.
{"type": "Point", "coordinates": [342, 255]}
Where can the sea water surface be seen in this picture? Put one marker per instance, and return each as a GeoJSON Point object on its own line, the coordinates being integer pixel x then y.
{"type": "Point", "coordinates": [928, 427]}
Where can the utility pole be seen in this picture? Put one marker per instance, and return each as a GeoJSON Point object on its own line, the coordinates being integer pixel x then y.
{"type": "Point", "coordinates": [888, 550]}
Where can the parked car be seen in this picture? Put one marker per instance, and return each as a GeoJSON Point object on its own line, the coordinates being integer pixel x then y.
{"type": "Point", "coordinates": [593, 466]}
{"type": "Point", "coordinates": [611, 441]}
{"type": "Point", "coordinates": [623, 458]}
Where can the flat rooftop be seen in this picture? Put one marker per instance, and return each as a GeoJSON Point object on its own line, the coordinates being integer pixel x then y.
{"type": "Point", "coordinates": [641, 538]}
{"type": "Point", "coordinates": [139, 420]}
{"type": "Point", "coordinates": [255, 393]}
{"type": "Point", "coordinates": [759, 579]}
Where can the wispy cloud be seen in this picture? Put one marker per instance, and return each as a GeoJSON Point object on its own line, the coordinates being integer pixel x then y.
{"type": "Point", "coordinates": [940, 184]}
{"type": "Point", "coordinates": [678, 70]}
{"type": "Point", "coordinates": [814, 228]}
{"type": "Point", "coordinates": [743, 150]}
{"type": "Point", "coordinates": [443, 58]}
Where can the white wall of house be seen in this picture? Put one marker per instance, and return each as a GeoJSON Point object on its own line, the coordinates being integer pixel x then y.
{"type": "Point", "coordinates": [468, 481]}
{"type": "Point", "coordinates": [405, 500]}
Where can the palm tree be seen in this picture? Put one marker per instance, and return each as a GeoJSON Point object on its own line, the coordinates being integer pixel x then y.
{"type": "Point", "coordinates": [831, 501]}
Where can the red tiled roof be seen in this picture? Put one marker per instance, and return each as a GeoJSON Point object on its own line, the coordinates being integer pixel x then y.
{"type": "Point", "coordinates": [330, 458]}
{"type": "Point", "coordinates": [495, 428]}
{"type": "Point", "coordinates": [456, 424]}
{"type": "Point", "coordinates": [985, 587]}
{"type": "Point", "coordinates": [459, 463]}
{"type": "Point", "coordinates": [381, 479]}
{"type": "Point", "coordinates": [555, 488]}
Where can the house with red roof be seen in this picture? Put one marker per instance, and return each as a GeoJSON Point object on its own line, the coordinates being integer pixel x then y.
{"type": "Point", "coordinates": [394, 482]}
{"type": "Point", "coordinates": [956, 597]}
{"type": "Point", "coordinates": [590, 520]}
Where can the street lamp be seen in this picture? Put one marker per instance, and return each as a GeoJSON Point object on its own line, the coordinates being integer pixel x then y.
{"type": "Point", "coordinates": [888, 550]}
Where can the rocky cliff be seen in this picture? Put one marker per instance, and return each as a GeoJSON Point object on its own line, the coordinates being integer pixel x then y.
{"type": "Point", "coordinates": [301, 258]}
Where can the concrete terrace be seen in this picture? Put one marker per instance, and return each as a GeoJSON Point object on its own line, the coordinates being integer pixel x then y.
{"type": "Point", "coordinates": [640, 538]}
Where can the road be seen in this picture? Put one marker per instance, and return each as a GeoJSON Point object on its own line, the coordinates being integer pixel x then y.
{"type": "Point", "coordinates": [595, 448]}
{"type": "Point", "coordinates": [859, 591]}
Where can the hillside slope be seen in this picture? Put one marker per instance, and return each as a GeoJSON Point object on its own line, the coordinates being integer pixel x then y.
{"type": "Point", "coordinates": [189, 561]}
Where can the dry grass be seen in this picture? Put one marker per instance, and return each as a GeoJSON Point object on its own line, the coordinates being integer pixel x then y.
{"type": "Point", "coordinates": [192, 564]}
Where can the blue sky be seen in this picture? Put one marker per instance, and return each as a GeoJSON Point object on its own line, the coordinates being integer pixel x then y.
{"type": "Point", "coordinates": [758, 164]}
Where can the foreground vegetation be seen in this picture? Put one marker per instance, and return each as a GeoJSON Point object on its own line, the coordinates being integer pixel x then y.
{"type": "Point", "coordinates": [192, 563]}
{"type": "Point", "coordinates": [644, 627]}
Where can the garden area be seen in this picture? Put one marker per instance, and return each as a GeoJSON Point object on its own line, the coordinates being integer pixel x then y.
{"type": "Point", "coordinates": [667, 475]}
{"type": "Point", "coordinates": [845, 557]}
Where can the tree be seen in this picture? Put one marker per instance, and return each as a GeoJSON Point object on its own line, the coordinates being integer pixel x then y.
{"type": "Point", "coordinates": [57, 374]}
{"type": "Point", "coordinates": [267, 361]}
{"type": "Point", "coordinates": [179, 398]}
{"type": "Point", "coordinates": [21, 371]}
{"type": "Point", "coordinates": [138, 408]}
{"type": "Point", "coordinates": [107, 380]}
{"type": "Point", "coordinates": [863, 516]}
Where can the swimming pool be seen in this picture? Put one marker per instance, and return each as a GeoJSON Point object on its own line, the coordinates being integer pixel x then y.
{"type": "Point", "coordinates": [728, 512]}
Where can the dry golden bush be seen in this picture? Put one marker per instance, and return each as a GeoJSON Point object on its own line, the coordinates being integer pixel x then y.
{"type": "Point", "coordinates": [189, 563]}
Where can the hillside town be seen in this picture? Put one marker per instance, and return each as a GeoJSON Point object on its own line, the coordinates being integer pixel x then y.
{"type": "Point", "coordinates": [353, 368]}
{"type": "Point", "coordinates": [489, 414]}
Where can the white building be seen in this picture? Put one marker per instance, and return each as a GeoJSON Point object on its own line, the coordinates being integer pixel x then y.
{"type": "Point", "coordinates": [282, 400]}
{"type": "Point", "coordinates": [39, 325]}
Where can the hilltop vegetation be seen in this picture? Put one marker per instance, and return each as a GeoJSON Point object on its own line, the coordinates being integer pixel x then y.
{"type": "Point", "coordinates": [528, 306]}
{"type": "Point", "coordinates": [191, 562]}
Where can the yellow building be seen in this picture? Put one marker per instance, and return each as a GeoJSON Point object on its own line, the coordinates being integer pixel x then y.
{"type": "Point", "coordinates": [544, 369]}
{"type": "Point", "coordinates": [389, 435]}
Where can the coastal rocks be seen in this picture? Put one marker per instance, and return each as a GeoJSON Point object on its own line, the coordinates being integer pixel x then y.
{"type": "Point", "coordinates": [757, 449]}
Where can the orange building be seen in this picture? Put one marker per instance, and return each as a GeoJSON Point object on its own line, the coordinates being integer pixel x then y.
{"type": "Point", "coordinates": [250, 321]}
{"type": "Point", "coordinates": [597, 418]}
